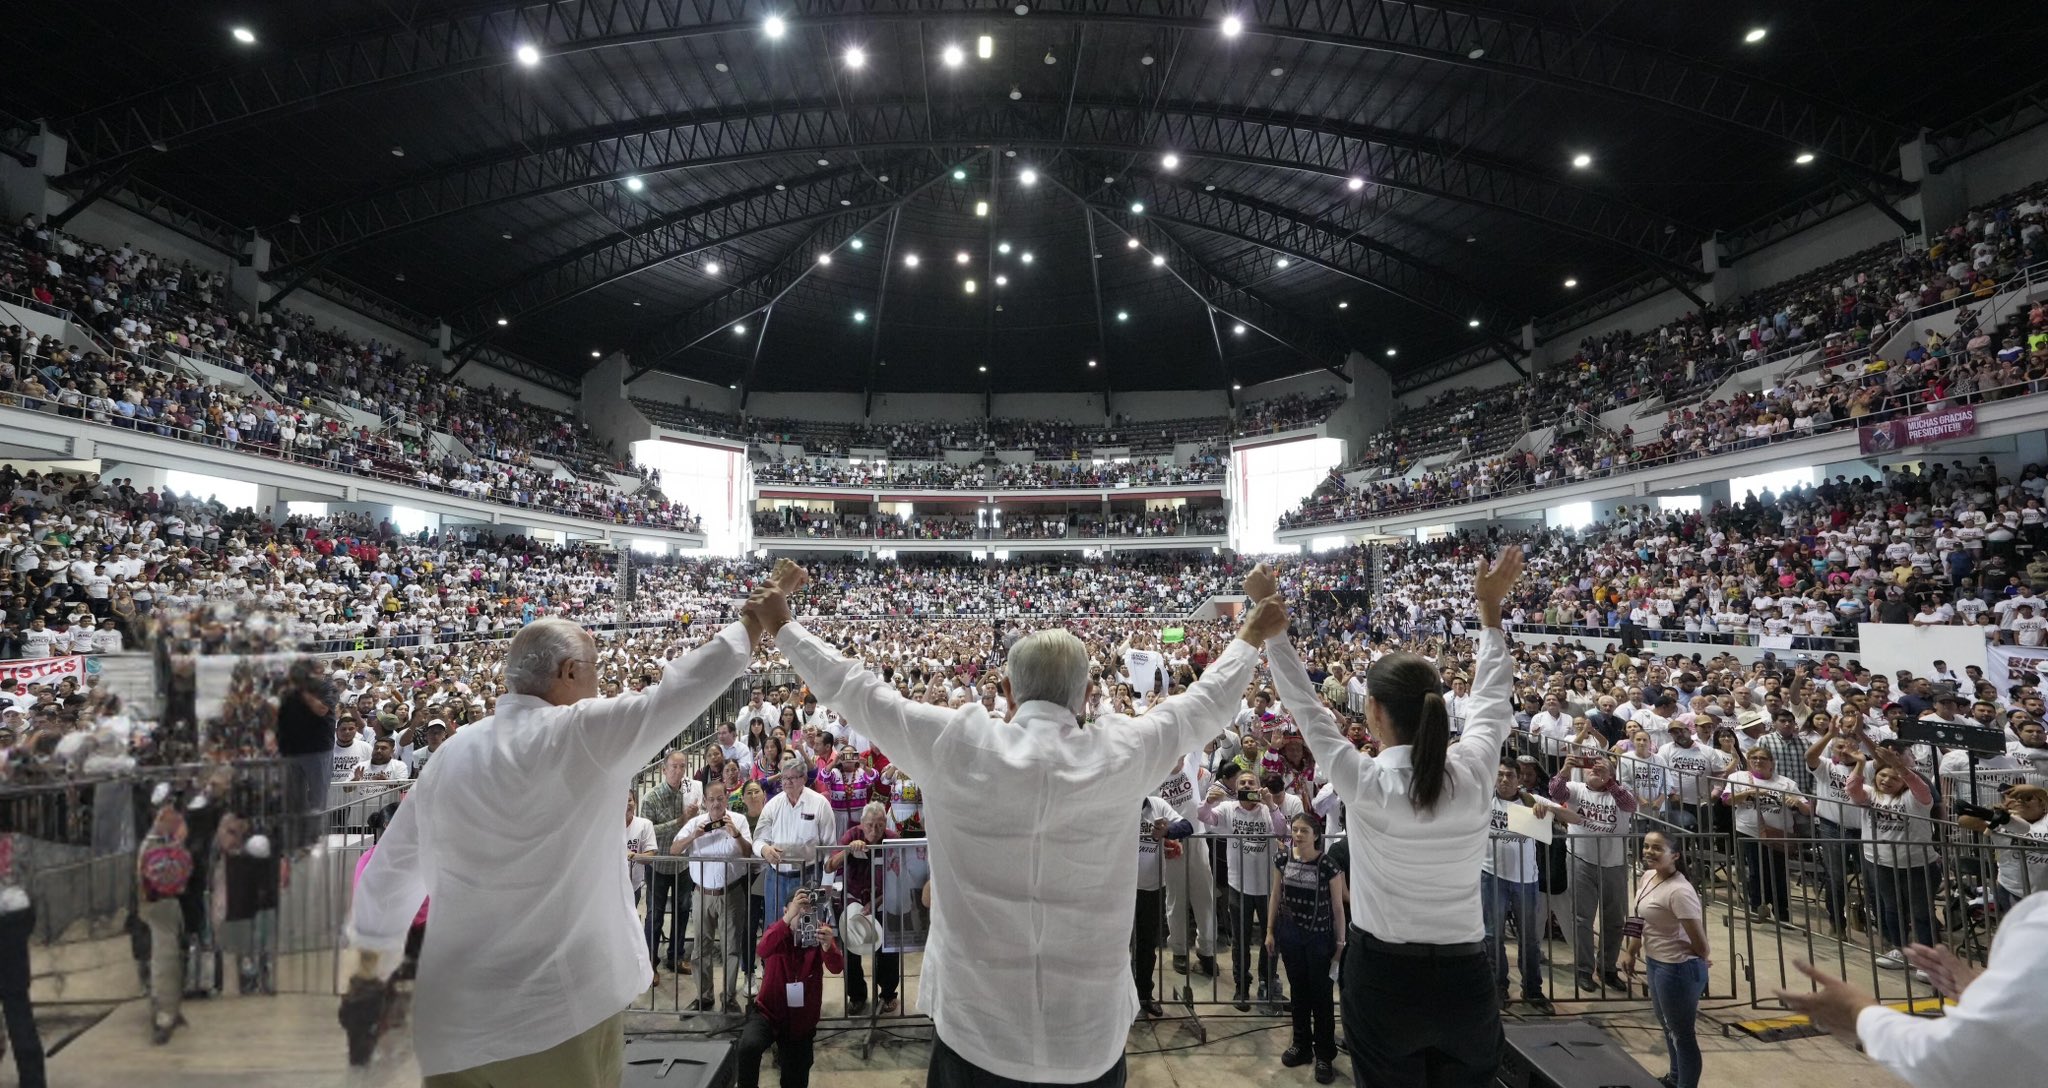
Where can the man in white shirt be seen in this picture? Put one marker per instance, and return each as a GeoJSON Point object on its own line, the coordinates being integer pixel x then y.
{"type": "Point", "coordinates": [722, 897]}
{"type": "Point", "coordinates": [540, 978]}
{"type": "Point", "coordinates": [383, 764]}
{"type": "Point", "coordinates": [350, 749]}
{"type": "Point", "coordinates": [796, 826]}
{"type": "Point", "coordinates": [1022, 977]}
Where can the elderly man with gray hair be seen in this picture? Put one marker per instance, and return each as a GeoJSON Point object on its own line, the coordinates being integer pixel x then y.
{"type": "Point", "coordinates": [513, 830]}
{"type": "Point", "coordinates": [1026, 973]}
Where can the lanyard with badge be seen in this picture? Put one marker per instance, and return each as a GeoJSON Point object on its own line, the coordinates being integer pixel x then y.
{"type": "Point", "coordinates": [1632, 926]}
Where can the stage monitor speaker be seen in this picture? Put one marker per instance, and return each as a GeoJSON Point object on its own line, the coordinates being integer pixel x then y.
{"type": "Point", "coordinates": [1568, 1054]}
{"type": "Point", "coordinates": [664, 1063]}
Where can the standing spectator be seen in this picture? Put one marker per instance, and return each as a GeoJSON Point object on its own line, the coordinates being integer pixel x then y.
{"type": "Point", "coordinates": [708, 838]}
{"type": "Point", "coordinates": [673, 801]}
{"type": "Point", "coordinates": [1306, 919]}
{"type": "Point", "coordinates": [863, 886]}
{"type": "Point", "coordinates": [639, 843]}
{"type": "Point", "coordinates": [162, 868]}
{"type": "Point", "coordinates": [1903, 870]}
{"type": "Point", "coordinates": [795, 826]}
{"type": "Point", "coordinates": [1190, 886]}
{"type": "Point", "coordinates": [1252, 827]}
{"type": "Point", "coordinates": [1509, 880]}
{"type": "Point", "coordinates": [17, 922]}
{"type": "Point", "coordinates": [1667, 928]}
{"type": "Point", "coordinates": [1764, 801]}
{"type": "Point", "coordinates": [1160, 830]}
{"type": "Point", "coordinates": [305, 738]}
{"type": "Point", "coordinates": [1599, 811]}
{"type": "Point", "coordinates": [785, 1012]}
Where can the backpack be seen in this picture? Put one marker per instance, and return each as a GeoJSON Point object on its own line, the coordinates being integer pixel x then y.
{"type": "Point", "coordinates": [165, 870]}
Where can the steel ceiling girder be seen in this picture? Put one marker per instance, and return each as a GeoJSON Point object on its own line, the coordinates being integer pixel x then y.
{"type": "Point", "coordinates": [1462, 35]}
{"type": "Point", "coordinates": [665, 238]}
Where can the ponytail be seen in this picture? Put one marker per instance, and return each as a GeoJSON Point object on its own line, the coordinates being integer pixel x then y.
{"type": "Point", "coordinates": [1431, 754]}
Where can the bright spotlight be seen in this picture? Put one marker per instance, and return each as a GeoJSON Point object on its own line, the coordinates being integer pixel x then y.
{"type": "Point", "coordinates": [910, 260]}
{"type": "Point", "coordinates": [1002, 281]}
{"type": "Point", "coordinates": [739, 330]}
{"type": "Point", "coordinates": [1028, 177]}
{"type": "Point", "coordinates": [1755, 35]}
{"type": "Point", "coordinates": [856, 56]}
{"type": "Point", "coordinates": [774, 27]}
{"type": "Point", "coordinates": [968, 287]}
{"type": "Point", "coordinates": [244, 35]}
{"type": "Point", "coordinates": [1130, 243]}
{"type": "Point", "coordinates": [824, 258]}
{"type": "Point", "coordinates": [634, 185]}
{"type": "Point", "coordinates": [1355, 184]}
{"type": "Point", "coordinates": [1159, 260]}
{"type": "Point", "coordinates": [1025, 256]}
{"type": "Point", "coordinates": [856, 244]}
{"type": "Point", "coordinates": [711, 268]}
{"type": "Point", "coordinates": [953, 56]}
{"type": "Point", "coordinates": [1137, 207]}
{"type": "Point", "coordinates": [1474, 323]}
{"type": "Point", "coordinates": [1391, 353]}
{"type": "Point", "coordinates": [1281, 262]}
{"type": "Point", "coordinates": [860, 317]}
{"type": "Point", "coordinates": [1237, 330]}
{"type": "Point", "coordinates": [1344, 305]}
{"type": "Point", "coordinates": [981, 208]}
{"type": "Point", "coordinates": [961, 257]}
{"type": "Point", "coordinates": [985, 46]}
{"type": "Point", "coordinates": [1232, 26]}
{"type": "Point", "coordinates": [1091, 362]}
{"type": "Point", "coordinates": [527, 55]}
{"type": "Point", "coordinates": [1123, 315]}
{"type": "Point", "coordinates": [1581, 160]}
{"type": "Point", "coordinates": [1572, 281]}
{"type": "Point", "coordinates": [1003, 248]}
{"type": "Point", "coordinates": [502, 321]}
{"type": "Point", "coordinates": [1803, 158]}
{"type": "Point", "coordinates": [959, 175]}
{"type": "Point", "coordinates": [1170, 161]}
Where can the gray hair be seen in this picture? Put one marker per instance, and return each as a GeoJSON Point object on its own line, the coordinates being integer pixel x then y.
{"type": "Point", "coordinates": [1049, 666]}
{"type": "Point", "coordinates": [537, 652]}
{"type": "Point", "coordinates": [875, 809]}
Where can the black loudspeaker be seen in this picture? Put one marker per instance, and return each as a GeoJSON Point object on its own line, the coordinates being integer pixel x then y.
{"type": "Point", "coordinates": [1568, 1054]}
{"type": "Point", "coordinates": [663, 1063]}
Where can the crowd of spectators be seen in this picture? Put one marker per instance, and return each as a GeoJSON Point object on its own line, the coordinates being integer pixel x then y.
{"type": "Point", "coordinates": [1035, 475]}
{"type": "Point", "coordinates": [155, 318]}
{"type": "Point", "coordinates": [793, 521]}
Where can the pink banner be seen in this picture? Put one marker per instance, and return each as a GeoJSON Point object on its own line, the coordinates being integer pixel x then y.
{"type": "Point", "coordinates": [41, 670]}
{"type": "Point", "coordinates": [1941, 426]}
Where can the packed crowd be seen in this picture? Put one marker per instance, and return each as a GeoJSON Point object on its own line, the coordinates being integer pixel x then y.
{"type": "Point", "coordinates": [156, 317]}
{"type": "Point", "coordinates": [791, 521]}
{"type": "Point", "coordinates": [952, 477]}
{"type": "Point", "coordinates": [1845, 308]}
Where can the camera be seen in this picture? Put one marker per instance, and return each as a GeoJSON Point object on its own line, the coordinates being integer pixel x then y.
{"type": "Point", "coordinates": [816, 911]}
{"type": "Point", "coordinates": [1248, 796]}
{"type": "Point", "coordinates": [1996, 817]}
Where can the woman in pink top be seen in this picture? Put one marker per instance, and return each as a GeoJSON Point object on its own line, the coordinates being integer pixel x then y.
{"type": "Point", "coordinates": [1665, 925]}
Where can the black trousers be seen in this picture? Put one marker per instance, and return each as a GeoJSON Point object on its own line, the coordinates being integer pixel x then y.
{"type": "Point", "coordinates": [1145, 939]}
{"type": "Point", "coordinates": [1419, 1017]}
{"type": "Point", "coordinates": [950, 1070]}
{"type": "Point", "coordinates": [1307, 959]}
{"type": "Point", "coordinates": [15, 928]}
{"type": "Point", "coordinates": [792, 1054]}
{"type": "Point", "coordinates": [888, 971]}
{"type": "Point", "coordinates": [1251, 934]}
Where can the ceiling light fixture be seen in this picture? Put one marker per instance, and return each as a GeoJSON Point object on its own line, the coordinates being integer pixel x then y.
{"type": "Point", "coordinates": [397, 151]}
{"type": "Point", "coordinates": [244, 35]}
{"type": "Point", "coordinates": [1355, 184]}
{"type": "Point", "coordinates": [860, 317]}
{"type": "Point", "coordinates": [1123, 315]}
{"type": "Point", "coordinates": [1170, 161]}
{"type": "Point", "coordinates": [910, 260]}
{"type": "Point", "coordinates": [1016, 93]}
{"type": "Point", "coordinates": [1091, 362]}
{"type": "Point", "coordinates": [1003, 248]}
{"type": "Point", "coordinates": [1571, 281]}
{"type": "Point", "coordinates": [1159, 260]}
{"type": "Point", "coordinates": [1803, 158]}
{"type": "Point", "coordinates": [1209, 188]}
{"type": "Point", "coordinates": [1137, 207]}
{"type": "Point", "coordinates": [1025, 256]}
{"type": "Point", "coordinates": [1028, 177]}
{"type": "Point", "coordinates": [527, 55]}
{"type": "Point", "coordinates": [961, 257]}
{"type": "Point", "coordinates": [824, 162]}
{"type": "Point", "coordinates": [985, 46]}
{"type": "Point", "coordinates": [1130, 243]}
{"type": "Point", "coordinates": [1281, 262]}
{"type": "Point", "coordinates": [774, 27]}
{"type": "Point", "coordinates": [1234, 386]}
{"type": "Point", "coordinates": [1050, 59]}
{"type": "Point", "coordinates": [1581, 160]}
{"type": "Point", "coordinates": [506, 236]}
{"type": "Point", "coordinates": [984, 369]}
{"type": "Point", "coordinates": [1232, 26]}
{"type": "Point", "coordinates": [711, 268]}
{"type": "Point", "coordinates": [824, 258]}
{"type": "Point", "coordinates": [1237, 330]}
{"type": "Point", "coordinates": [953, 56]}
{"type": "Point", "coordinates": [597, 355]}
{"type": "Point", "coordinates": [856, 56]}
{"type": "Point", "coordinates": [968, 286]}
{"type": "Point", "coordinates": [503, 321]}
{"type": "Point", "coordinates": [1755, 35]}
{"type": "Point", "coordinates": [399, 277]}
{"type": "Point", "coordinates": [1391, 353]}
{"type": "Point", "coordinates": [1473, 323]}
{"type": "Point", "coordinates": [856, 244]}
{"type": "Point", "coordinates": [1002, 281]}
{"type": "Point", "coordinates": [1022, 9]}
{"type": "Point", "coordinates": [981, 208]}
{"type": "Point", "coordinates": [959, 175]}
{"type": "Point", "coordinates": [739, 330]}
{"type": "Point", "coordinates": [1475, 52]}
{"type": "Point", "coordinates": [1146, 60]}
{"type": "Point", "coordinates": [1344, 305]}
{"type": "Point", "coordinates": [634, 185]}
{"type": "Point", "coordinates": [722, 66]}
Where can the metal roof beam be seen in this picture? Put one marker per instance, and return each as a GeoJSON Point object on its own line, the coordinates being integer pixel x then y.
{"type": "Point", "coordinates": [1450, 33]}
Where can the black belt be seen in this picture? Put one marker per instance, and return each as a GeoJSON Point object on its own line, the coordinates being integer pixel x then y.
{"type": "Point", "coordinates": [1444, 951]}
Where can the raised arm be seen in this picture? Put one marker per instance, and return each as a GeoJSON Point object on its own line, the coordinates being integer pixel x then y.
{"type": "Point", "coordinates": [631, 730]}
{"type": "Point", "coordinates": [1174, 727]}
{"type": "Point", "coordinates": [388, 895]}
{"type": "Point", "coordinates": [1339, 761]}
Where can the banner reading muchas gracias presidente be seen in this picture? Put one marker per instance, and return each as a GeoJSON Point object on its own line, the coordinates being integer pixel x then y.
{"type": "Point", "coordinates": [1918, 430]}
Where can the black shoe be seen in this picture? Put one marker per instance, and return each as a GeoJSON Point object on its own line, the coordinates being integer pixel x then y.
{"type": "Point", "coordinates": [1151, 1008]}
{"type": "Point", "coordinates": [1205, 966]}
{"type": "Point", "coordinates": [1668, 1081]}
{"type": "Point", "coordinates": [1295, 1056]}
{"type": "Point", "coordinates": [732, 1007]}
{"type": "Point", "coordinates": [856, 1005]}
{"type": "Point", "coordinates": [161, 1035]}
{"type": "Point", "coordinates": [1180, 965]}
{"type": "Point", "coordinates": [1325, 1072]}
{"type": "Point", "coordinates": [1613, 981]}
{"type": "Point", "coordinates": [703, 1004]}
{"type": "Point", "coordinates": [1585, 981]}
{"type": "Point", "coordinates": [1243, 1000]}
{"type": "Point", "coordinates": [1539, 1003]}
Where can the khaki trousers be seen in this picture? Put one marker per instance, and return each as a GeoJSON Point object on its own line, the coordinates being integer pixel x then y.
{"type": "Point", "coordinates": [595, 1058]}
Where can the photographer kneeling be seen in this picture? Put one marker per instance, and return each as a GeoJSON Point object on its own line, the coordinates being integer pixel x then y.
{"type": "Point", "coordinates": [785, 1012]}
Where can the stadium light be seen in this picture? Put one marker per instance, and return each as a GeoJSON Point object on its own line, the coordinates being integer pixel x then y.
{"type": "Point", "coordinates": [1804, 158]}
{"type": "Point", "coordinates": [953, 56]}
{"type": "Point", "coordinates": [634, 185]}
{"type": "Point", "coordinates": [856, 56]}
{"type": "Point", "coordinates": [1571, 281]}
{"type": "Point", "coordinates": [1170, 161]}
{"type": "Point", "coordinates": [244, 35]}
{"type": "Point", "coordinates": [1232, 26]}
{"type": "Point", "coordinates": [527, 55]}
{"type": "Point", "coordinates": [1237, 330]}
{"type": "Point", "coordinates": [1355, 184]}
{"type": "Point", "coordinates": [1581, 160]}
{"type": "Point", "coordinates": [1028, 177]}
{"type": "Point", "coordinates": [1755, 35]}
{"type": "Point", "coordinates": [774, 26]}
{"type": "Point", "coordinates": [711, 268]}
{"type": "Point", "coordinates": [985, 46]}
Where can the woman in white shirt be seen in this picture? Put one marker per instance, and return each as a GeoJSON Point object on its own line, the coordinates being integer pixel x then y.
{"type": "Point", "coordinates": [1763, 801]}
{"type": "Point", "coordinates": [1896, 834]}
{"type": "Point", "coordinates": [1418, 994]}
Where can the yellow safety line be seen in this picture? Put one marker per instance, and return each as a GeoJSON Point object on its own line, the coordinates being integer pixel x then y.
{"type": "Point", "coordinates": [1774, 1024]}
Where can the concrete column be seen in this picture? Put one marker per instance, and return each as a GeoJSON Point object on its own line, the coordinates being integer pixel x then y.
{"type": "Point", "coordinates": [26, 189]}
{"type": "Point", "coordinates": [1724, 283]}
{"type": "Point", "coordinates": [245, 277]}
{"type": "Point", "coordinates": [1368, 403]}
{"type": "Point", "coordinates": [1941, 199]}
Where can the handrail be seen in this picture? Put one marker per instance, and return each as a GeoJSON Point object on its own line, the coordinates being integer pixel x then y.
{"type": "Point", "coordinates": [1894, 406]}
{"type": "Point", "coordinates": [494, 496]}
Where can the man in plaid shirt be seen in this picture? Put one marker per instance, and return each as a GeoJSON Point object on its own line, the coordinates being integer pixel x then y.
{"type": "Point", "coordinates": [674, 799]}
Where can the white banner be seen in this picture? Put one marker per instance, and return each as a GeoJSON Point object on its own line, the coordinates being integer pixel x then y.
{"type": "Point", "coordinates": [42, 670]}
{"type": "Point", "coordinates": [2009, 665]}
{"type": "Point", "coordinates": [1889, 647]}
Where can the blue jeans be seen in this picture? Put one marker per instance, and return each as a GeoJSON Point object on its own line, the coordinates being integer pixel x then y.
{"type": "Point", "coordinates": [776, 888]}
{"type": "Point", "coordinates": [1498, 897]}
{"type": "Point", "coordinates": [1675, 990]}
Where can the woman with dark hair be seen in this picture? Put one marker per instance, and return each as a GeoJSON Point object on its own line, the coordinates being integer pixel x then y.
{"type": "Point", "coordinates": [1667, 928]}
{"type": "Point", "coordinates": [757, 734]}
{"type": "Point", "coordinates": [1305, 919]}
{"type": "Point", "coordinates": [1418, 993]}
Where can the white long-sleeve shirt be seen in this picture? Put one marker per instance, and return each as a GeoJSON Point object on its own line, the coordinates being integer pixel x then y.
{"type": "Point", "coordinates": [514, 832]}
{"type": "Point", "coordinates": [1414, 875]}
{"type": "Point", "coordinates": [1031, 847]}
{"type": "Point", "coordinates": [1988, 1036]}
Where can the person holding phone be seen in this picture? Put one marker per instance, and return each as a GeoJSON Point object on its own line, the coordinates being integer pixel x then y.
{"type": "Point", "coordinates": [706, 839]}
{"type": "Point", "coordinates": [785, 1012]}
{"type": "Point", "coordinates": [1419, 1000]}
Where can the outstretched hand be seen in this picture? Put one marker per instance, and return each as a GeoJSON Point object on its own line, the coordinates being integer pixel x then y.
{"type": "Point", "coordinates": [1947, 971]}
{"type": "Point", "coordinates": [766, 611]}
{"type": "Point", "coordinates": [1833, 1006]}
{"type": "Point", "coordinates": [788, 577]}
{"type": "Point", "coordinates": [1267, 619]}
{"type": "Point", "coordinates": [1260, 583]}
{"type": "Point", "coordinates": [1493, 580]}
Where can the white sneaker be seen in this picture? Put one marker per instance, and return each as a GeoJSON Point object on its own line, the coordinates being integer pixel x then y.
{"type": "Point", "coordinates": [1893, 960]}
